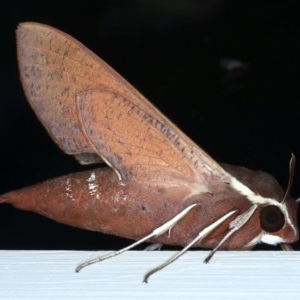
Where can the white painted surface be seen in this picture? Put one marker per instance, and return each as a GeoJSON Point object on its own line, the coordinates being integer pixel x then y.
{"type": "Point", "coordinates": [230, 275]}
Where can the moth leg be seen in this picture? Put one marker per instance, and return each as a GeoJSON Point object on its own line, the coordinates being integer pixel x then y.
{"type": "Point", "coordinates": [235, 225]}
{"type": "Point", "coordinates": [154, 234]}
{"type": "Point", "coordinates": [286, 247]}
{"type": "Point", "coordinates": [154, 247]}
{"type": "Point", "coordinates": [202, 234]}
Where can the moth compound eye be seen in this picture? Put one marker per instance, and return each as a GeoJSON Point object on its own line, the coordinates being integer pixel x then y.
{"type": "Point", "coordinates": [271, 218]}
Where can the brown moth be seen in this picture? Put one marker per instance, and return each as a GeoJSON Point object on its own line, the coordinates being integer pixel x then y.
{"type": "Point", "coordinates": [159, 186]}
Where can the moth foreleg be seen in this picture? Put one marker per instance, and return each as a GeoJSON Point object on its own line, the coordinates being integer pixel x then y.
{"type": "Point", "coordinates": [234, 226]}
{"type": "Point", "coordinates": [202, 234]}
{"type": "Point", "coordinates": [154, 234]}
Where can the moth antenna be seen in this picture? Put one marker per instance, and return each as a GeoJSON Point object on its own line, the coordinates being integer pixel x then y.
{"type": "Point", "coordinates": [285, 246]}
{"type": "Point", "coordinates": [235, 225]}
{"type": "Point", "coordinates": [154, 234]}
{"type": "Point", "coordinates": [291, 176]}
{"type": "Point", "coordinates": [202, 234]}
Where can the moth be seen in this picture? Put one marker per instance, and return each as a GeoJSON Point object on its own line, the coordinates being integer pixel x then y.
{"type": "Point", "coordinates": [158, 186]}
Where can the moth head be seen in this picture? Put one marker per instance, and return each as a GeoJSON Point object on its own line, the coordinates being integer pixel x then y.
{"type": "Point", "coordinates": [274, 220]}
{"type": "Point", "coordinates": [278, 219]}
{"type": "Point", "coordinates": [278, 222]}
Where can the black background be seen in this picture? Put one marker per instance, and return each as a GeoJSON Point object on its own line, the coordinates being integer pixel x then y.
{"type": "Point", "coordinates": [171, 51]}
